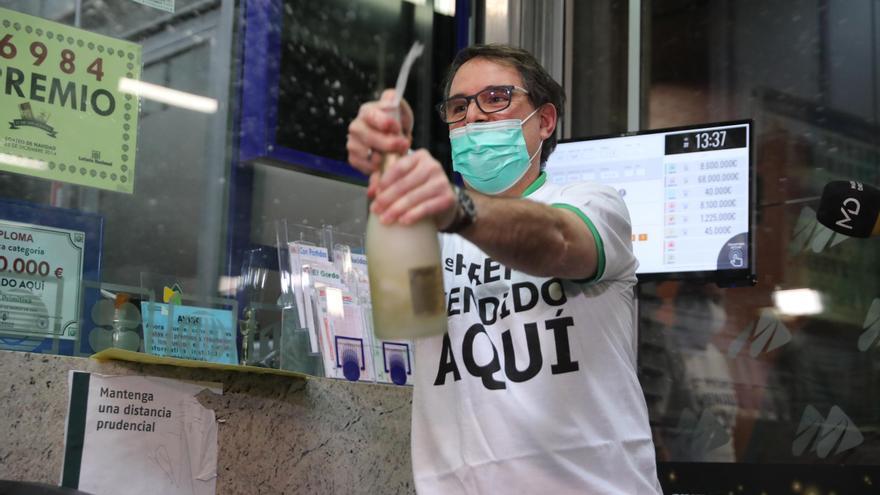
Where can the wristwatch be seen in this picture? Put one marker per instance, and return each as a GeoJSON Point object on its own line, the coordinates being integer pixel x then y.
{"type": "Point", "coordinates": [465, 213]}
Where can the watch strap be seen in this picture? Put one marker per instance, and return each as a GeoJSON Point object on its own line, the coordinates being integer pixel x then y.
{"type": "Point", "coordinates": [465, 212]}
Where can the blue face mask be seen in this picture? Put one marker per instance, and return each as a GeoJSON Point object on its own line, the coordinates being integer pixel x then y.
{"type": "Point", "coordinates": [491, 156]}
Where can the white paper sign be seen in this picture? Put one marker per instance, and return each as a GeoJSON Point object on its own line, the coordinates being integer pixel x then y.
{"type": "Point", "coordinates": [139, 435]}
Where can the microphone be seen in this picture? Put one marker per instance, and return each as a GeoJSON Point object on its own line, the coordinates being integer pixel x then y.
{"type": "Point", "coordinates": [850, 208]}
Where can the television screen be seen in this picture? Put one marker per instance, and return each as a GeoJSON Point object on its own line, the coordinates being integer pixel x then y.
{"type": "Point", "coordinates": [689, 194]}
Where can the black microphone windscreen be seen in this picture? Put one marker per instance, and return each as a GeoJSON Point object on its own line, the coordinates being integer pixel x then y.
{"type": "Point", "coordinates": [849, 207]}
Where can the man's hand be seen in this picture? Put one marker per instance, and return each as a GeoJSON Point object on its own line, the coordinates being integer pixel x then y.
{"type": "Point", "coordinates": [412, 188]}
{"type": "Point", "coordinates": [375, 132]}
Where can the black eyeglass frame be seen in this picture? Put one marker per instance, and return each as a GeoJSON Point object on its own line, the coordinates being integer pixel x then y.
{"type": "Point", "coordinates": [441, 107]}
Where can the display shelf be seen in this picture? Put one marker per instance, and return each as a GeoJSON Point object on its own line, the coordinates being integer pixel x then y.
{"type": "Point", "coordinates": [140, 357]}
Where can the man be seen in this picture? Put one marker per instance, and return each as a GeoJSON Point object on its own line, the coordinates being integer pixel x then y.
{"type": "Point", "coordinates": [533, 388]}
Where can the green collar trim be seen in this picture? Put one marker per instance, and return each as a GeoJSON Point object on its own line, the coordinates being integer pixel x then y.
{"type": "Point", "coordinates": [542, 178]}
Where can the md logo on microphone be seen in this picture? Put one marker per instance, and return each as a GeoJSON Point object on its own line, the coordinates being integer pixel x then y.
{"type": "Point", "coordinates": [849, 208]}
{"type": "Point", "coordinates": [836, 433]}
{"type": "Point", "coordinates": [872, 327]}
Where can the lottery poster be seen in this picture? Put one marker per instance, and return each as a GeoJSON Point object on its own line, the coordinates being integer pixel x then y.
{"type": "Point", "coordinates": [62, 114]}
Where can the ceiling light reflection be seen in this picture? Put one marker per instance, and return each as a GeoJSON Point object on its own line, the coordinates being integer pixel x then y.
{"type": "Point", "coordinates": [20, 161]}
{"type": "Point", "coordinates": [168, 96]}
{"type": "Point", "coordinates": [798, 302]}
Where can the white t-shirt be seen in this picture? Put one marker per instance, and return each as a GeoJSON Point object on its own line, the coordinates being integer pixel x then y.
{"type": "Point", "coordinates": [533, 389]}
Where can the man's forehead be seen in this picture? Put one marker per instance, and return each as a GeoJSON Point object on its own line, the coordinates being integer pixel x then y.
{"type": "Point", "coordinates": [480, 73]}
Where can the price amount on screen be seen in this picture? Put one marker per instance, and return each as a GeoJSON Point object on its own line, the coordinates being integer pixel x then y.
{"type": "Point", "coordinates": [721, 230]}
{"type": "Point", "coordinates": [711, 178]}
{"type": "Point", "coordinates": [22, 266]}
{"type": "Point", "coordinates": [713, 165]}
{"type": "Point", "coordinates": [729, 216]}
{"type": "Point", "coordinates": [715, 191]}
{"type": "Point", "coordinates": [717, 203]}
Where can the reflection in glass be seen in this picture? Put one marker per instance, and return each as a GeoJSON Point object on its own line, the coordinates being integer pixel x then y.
{"type": "Point", "coordinates": [116, 323]}
{"type": "Point", "coordinates": [685, 374]}
{"type": "Point", "coordinates": [259, 328]}
{"type": "Point", "coordinates": [798, 367]}
{"type": "Point", "coordinates": [336, 55]}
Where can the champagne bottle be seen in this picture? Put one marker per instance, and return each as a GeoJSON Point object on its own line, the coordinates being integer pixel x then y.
{"type": "Point", "coordinates": [403, 261]}
{"type": "Point", "coordinates": [406, 277]}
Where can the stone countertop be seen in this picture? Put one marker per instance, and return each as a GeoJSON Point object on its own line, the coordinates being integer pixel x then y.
{"type": "Point", "coordinates": [276, 434]}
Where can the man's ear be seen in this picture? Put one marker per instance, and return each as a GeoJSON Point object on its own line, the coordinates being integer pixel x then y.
{"type": "Point", "coordinates": [548, 116]}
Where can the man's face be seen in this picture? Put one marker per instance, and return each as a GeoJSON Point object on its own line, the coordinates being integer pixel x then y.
{"type": "Point", "coordinates": [478, 74]}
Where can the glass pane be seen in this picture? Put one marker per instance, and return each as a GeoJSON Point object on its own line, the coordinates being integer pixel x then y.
{"type": "Point", "coordinates": [338, 54]}
{"type": "Point", "coordinates": [598, 88]}
{"type": "Point", "coordinates": [196, 210]}
{"type": "Point", "coordinates": [786, 371]}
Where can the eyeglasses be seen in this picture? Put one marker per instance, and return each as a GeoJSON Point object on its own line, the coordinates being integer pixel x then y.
{"type": "Point", "coordinates": [490, 100]}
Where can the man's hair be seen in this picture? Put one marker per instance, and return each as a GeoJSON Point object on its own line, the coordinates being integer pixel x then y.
{"type": "Point", "coordinates": [541, 87]}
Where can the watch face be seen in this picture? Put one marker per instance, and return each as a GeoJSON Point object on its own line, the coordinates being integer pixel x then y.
{"type": "Point", "coordinates": [467, 205]}
{"type": "Point", "coordinates": [466, 213]}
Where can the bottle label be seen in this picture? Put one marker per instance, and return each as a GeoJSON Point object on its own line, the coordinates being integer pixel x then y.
{"type": "Point", "coordinates": [426, 290]}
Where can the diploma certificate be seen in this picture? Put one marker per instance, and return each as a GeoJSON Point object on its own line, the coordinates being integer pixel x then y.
{"type": "Point", "coordinates": [40, 277]}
